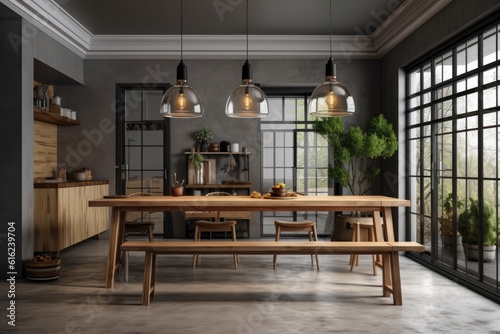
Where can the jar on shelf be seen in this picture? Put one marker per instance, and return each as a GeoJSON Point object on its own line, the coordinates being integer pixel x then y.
{"type": "Point", "coordinates": [214, 147]}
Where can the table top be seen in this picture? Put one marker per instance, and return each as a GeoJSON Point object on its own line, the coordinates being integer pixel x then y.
{"type": "Point", "coordinates": [246, 203]}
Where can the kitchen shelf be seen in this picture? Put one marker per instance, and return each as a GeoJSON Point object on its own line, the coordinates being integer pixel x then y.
{"type": "Point", "coordinates": [51, 118]}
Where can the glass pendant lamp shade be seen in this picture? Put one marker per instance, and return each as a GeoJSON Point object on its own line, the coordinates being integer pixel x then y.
{"type": "Point", "coordinates": [181, 100]}
{"type": "Point", "coordinates": [331, 98]}
{"type": "Point", "coordinates": [247, 100]}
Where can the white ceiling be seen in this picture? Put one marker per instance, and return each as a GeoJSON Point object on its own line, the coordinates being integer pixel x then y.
{"type": "Point", "coordinates": [97, 29]}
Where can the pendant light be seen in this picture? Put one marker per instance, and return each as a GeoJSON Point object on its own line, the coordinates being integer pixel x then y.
{"type": "Point", "coordinates": [181, 100]}
{"type": "Point", "coordinates": [247, 100]}
{"type": "Point", "coordinates": [331, 98]}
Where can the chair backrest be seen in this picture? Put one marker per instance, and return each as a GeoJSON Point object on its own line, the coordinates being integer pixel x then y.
{"type": "Point", "coordinates": [218, 193]}
{"type": "Point", "coordinates": [218, 214]}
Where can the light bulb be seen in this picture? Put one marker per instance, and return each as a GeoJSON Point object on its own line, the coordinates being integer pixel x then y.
{"type": "Point", "coordinates": [331, 100]}
{"type": "Point", "coordinates": [247, 101]}
{"type": "Point", "coordinates": [181, 101]}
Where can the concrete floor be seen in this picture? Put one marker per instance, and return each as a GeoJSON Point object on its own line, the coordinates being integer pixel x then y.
{"type": "Point", "coordinates": [215, 298]}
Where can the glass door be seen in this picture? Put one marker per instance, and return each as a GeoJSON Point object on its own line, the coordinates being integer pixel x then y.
{"type": "Point", "coordinates": [142, 155]}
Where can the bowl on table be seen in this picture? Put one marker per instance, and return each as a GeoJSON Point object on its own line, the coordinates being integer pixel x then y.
{"type": "Point", "coordinates": [278, 192]}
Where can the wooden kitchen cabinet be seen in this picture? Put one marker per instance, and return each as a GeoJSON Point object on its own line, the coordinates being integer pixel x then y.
{"type": "Point", "coordinates": [62, 215]}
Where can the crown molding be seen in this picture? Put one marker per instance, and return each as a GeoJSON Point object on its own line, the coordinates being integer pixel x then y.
{"type": "Point", "coordinates": [54, 21]}
{"type": "Point", "coordinates": [226, 47]}
{"type": "Point", "coordinates": [49, 17]}
{"type": "Point", "coordinates": [411, 15]}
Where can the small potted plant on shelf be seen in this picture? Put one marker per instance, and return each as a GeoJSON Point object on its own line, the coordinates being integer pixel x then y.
{"type": "Point", "coordinates": [468, 226]}
{"type": "Point", "coordinates": [446, 221]}
{"type": "Point", "coordinates": [203, 136]}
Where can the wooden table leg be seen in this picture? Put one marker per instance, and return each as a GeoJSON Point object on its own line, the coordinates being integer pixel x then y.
{"type": "Point", "coordinates": [377, 225]}
{"type": "Point", "coordinates": [396, 279]}
{"type": "Point", "coordinates": [113, 247]}
{"type": "Point", "coordinates": [388, 224]}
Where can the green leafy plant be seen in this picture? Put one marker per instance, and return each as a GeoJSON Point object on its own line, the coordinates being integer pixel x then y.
{"type": "Point", "coordinates": [469, 221]}
{"type": "Point", "coordinates": [203, 135]}
{"type": "Point", "coordinates": [447, 218]}
{"type": "Point", "coordinates": [196, 159]}
{"type": "Point", "coordinates": [355, 152]}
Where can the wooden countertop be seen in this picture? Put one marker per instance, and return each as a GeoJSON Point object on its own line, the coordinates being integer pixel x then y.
{"type": "Point", "coordinates": [69, 184]}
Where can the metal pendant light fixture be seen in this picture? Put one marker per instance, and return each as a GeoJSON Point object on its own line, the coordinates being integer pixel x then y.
{"type": "Point", "coordinates": [247, 100]}
{"type": "Point", "coordinates": [331, 98]}
{"type": "Point", "coordinates": [181, 100]}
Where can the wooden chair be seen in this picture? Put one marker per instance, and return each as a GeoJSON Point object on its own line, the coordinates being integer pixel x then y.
{"type": "Point", "coordinates": [141, 224]}
{"type": "Point", "coordinates": [217, 225]}
{"type": "Point", "coordinates": [136, 222]}
{"type": "Point", "coordinates": [308, 226]}
{"type": "Point", "coordinates": [357, 235]}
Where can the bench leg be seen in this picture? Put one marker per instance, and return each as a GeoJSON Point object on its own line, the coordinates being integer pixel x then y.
{"type": "Point", "coordinates": [396, 279]}
{"type": "Point", "coordinates": [148, 286]}
{"type": "Point", "coordinates": [386, 275]}
{"type": "Point", "coordinates": [276, 238]}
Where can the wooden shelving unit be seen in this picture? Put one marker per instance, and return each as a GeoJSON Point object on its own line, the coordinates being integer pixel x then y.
{"type": "Point", "coordinates": [51, 118]}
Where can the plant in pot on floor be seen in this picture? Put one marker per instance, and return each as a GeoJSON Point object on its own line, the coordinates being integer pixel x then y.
{"type": "Point", "coordinates": [468, 226]}
{"type": "Point", "coordinates": [356, 154]}
{"type": "Point", "coordinates": [446, 221]}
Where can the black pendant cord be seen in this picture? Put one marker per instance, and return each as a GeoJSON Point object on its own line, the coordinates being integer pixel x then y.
{"type": "Point", "coordinates": [330, 69]}
{"type": "Point", "coordinates": [331, 29]}
{"type": "Point", "coordinates": [181, 68]}
{"type": "Point", "coordinates": [246, 73]}
{"type": "Point", "coordinates": [182, 2]}
{"type": "Point", "coordinates": [247, 29]}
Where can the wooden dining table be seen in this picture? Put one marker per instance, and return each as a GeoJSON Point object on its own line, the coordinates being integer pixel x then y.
{"type": "Point", "coordinates": [378, 206]}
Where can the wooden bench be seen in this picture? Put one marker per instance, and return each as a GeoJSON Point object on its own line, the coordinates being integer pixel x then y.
{"type": "Point", "coordinates": [389, 251]}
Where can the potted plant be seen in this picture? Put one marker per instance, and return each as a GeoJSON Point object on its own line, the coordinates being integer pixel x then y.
{"type": "Point", "coordinates": [468, 226]}
{"type": "Point", "coordinates": [203, 136]}
{"type": "Point", "coordinates": [196, 161]}
{"type": "Point", "coordinates": [355, 158]}
{"type": "Point", "coordinates": [446, 221]}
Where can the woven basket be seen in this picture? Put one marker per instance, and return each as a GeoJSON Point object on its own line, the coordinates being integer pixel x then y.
{"type": "Point", "coordinates": [43, 271]}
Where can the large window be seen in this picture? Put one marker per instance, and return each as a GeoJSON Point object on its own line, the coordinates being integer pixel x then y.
{"type": "Point", "coordinates": [453, 127]}
{"type": "Point", "coordinates": [292, 153]}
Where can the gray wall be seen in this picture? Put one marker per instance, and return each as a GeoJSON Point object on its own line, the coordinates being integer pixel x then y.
{"type": "Point", "coordinates": [214, 80]}
{"type": "Point", "coordinates": [21, 43]}
{"type": "Point", "coordinates": [456, 17]}
{"type": "Point", "coordinates": [16, 195]}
